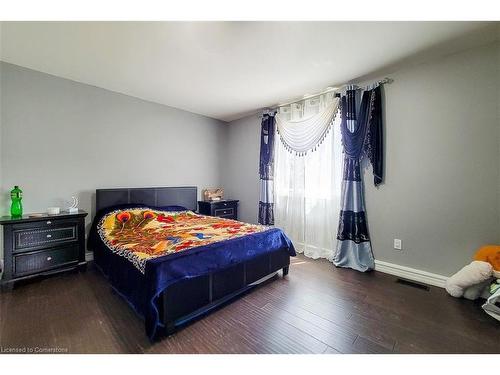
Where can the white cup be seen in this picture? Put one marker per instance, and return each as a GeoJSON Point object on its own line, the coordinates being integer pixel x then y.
{"type": "Point", "coordinates": [53, 210]}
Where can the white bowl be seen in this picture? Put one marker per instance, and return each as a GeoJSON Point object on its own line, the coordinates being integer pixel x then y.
{"type": "Point", "coordinates": [53, 210]}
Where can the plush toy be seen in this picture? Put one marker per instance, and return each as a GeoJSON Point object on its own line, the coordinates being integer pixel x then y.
{"type": "Point", "coordinates": [473, 280]}
{"type": "Point", "coordinates": [490, 254]}
{"type": "Point", "coordinates": [470, 276]}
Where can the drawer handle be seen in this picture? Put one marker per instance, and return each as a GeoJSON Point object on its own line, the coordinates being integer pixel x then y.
{"type": "Point", "coordinates": [49, 222]}
{"type": "Point", "coordinates": [49, 236]}
{"type": "Point", "coordinates": [49, 259]}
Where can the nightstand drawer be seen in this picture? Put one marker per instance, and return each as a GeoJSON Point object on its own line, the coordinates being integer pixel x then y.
{"type": "Point", "coordinates": [30, 238]}
{"type": "Point", "coordinates": [43, 260]}
{"type": "Point", "coordinates": [219, 205]}
{"type": "Point", "coordinates": [224, 212]}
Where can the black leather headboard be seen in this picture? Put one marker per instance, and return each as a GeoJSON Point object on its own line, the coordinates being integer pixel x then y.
{"type": "Point", "coordinates": [185, 196]}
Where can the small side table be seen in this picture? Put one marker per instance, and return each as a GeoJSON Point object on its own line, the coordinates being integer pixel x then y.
{"type": "Point", "coordinates": [227, 208]}
{"type": "Point", "coordinates": [35, 246]}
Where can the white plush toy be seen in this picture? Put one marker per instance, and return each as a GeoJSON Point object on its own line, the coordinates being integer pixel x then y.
{"type": "Point", "coordinates": [471, 280]}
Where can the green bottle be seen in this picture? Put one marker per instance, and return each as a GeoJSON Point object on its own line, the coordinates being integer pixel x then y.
{"type": "Point", "coordinates": [16, 208]}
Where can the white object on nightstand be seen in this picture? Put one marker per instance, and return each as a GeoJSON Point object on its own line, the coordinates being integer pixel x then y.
{"type": "Point", "coordinates": [73, 209]}
{"type": "Point", "coordinates": [53, 210]}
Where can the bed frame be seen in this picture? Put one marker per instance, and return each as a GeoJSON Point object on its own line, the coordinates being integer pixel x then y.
{"type": "Point", "coordinates": [188, 299]}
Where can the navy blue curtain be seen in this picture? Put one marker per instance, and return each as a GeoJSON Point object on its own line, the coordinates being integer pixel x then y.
{"type": "Point", "coordinates": [266, 170]}
{"type": "Point", "coordinates": [361, 136]}
{"type": "Point", "coordinates": [374, 145]}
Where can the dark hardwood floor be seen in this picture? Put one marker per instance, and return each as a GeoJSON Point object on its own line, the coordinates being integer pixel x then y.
{"type": "Point", "coordinates": [316, 309]}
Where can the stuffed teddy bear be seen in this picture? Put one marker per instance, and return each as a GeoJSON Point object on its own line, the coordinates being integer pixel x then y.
{"type": "Point", "coordinates": [473, 280]}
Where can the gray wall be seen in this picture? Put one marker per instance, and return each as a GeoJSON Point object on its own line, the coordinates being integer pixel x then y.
{"type": "Point", "coordinates": [442, 152]}
{"type": "Point", "coordinates": [241, 171]}
{"type": "Point", "coordinates": [2, 199]}
{"type": "Point", "coordinates": [498, 115]}
{"type": "Point", "coordinates": [62, 138]}
{"type": "Point", "coordinates": [441, 194]}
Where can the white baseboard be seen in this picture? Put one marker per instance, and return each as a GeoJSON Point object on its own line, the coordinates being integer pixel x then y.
{"type": "Point", "coordinates": [411, 273]}
{"type": "Point", "coordinates": [381, 266]}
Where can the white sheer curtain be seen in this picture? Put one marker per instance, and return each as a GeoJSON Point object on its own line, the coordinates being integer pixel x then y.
{"type": "Point", "coordinates": [307, 188]}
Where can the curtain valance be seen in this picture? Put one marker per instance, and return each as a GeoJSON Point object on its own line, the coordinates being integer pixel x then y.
{"type": "Point", "coordinates": [302, 127]}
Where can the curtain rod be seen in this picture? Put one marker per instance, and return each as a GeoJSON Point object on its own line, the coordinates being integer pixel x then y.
{"type": "Point", "coordinates": [333, 89]}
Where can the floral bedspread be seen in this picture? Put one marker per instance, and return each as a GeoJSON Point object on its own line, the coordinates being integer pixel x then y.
{"type": "Point", "coordinates": [140, 234]}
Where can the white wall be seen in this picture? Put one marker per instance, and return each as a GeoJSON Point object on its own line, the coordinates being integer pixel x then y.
{"type": "Point", "coordinates": [441, 194]}
{"type": "Point", "coordinates": [62, 138]}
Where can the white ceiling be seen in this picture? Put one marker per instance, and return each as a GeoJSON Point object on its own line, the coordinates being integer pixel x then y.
{"type": "Point", "coordinates": [223, 70]}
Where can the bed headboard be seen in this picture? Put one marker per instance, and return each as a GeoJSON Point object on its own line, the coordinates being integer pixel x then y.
{"type": "Point", "coordinates": [155, 196]}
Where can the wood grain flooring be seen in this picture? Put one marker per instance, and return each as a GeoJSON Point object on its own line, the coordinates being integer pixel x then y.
{"type": "Point", "coordinates": [317, 308]}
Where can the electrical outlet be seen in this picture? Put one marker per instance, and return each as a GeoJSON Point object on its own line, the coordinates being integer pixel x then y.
{"type": "Point", "coordinates": [398, 244]}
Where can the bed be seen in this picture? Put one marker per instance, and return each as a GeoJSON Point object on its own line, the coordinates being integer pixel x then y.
{"type": "Point", "coordinates": [173, 265]}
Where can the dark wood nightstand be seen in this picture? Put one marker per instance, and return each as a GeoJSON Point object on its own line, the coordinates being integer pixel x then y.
{"type": "Point", "coordinates": [227, 208]}
{"type": "Point", "coordinates": [43, 245]}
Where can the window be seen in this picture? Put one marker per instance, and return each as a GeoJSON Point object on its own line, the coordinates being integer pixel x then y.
{"type": "Point", "coordinates": [307, 192]}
